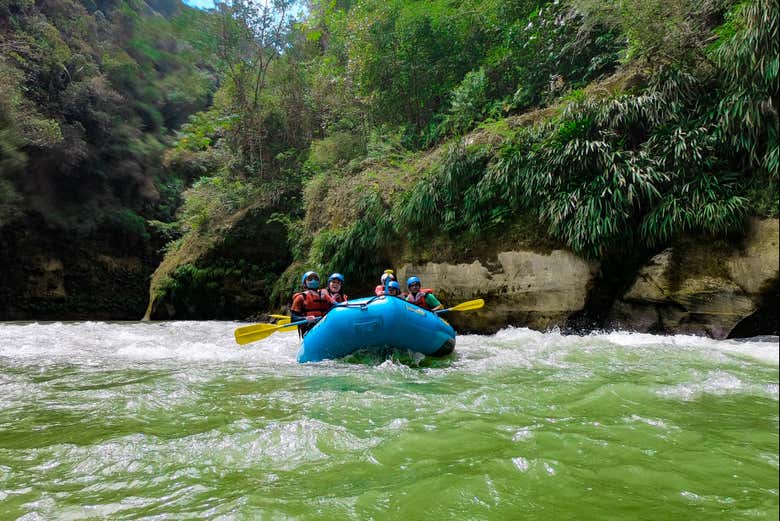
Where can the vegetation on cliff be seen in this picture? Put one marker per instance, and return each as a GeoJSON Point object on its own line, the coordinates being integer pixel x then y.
{"type": "Point", "coordinates": [613, 127]}
{"type": "Point", "coordinates": [90, 93]}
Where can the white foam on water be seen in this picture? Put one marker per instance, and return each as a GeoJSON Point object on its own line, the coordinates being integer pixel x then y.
{"type": "Point", "coordinates": [100, 343]}
{"type": "Point", "coordinates": [716, 383]}
{"type": "Point", "coordinates": [94, 343]}
{"type": "Point", "coordinates": [522, 347]}
{"type": "Point", "coordinates": [764, 349]}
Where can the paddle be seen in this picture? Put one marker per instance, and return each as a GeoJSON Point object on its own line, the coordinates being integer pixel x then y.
{"type": "Point", "coordinates": [464, 306]}
{"type": "Point", "coordinates": [255, 332]}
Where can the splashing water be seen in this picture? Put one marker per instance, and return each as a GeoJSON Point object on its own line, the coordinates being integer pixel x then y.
{"type": "Point", "coordinates": [175, 421]}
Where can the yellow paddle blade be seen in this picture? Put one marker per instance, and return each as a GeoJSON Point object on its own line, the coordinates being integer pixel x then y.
{"type": "Point", "coordinates": [255, 332]}
{"type": "Point", "coordinates": [468, 305]}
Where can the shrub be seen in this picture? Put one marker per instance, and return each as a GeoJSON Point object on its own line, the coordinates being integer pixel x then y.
{"type": "Point", "coordinates": [447, 198]}
{"type": "Point", "coordinates": [128, 225]}
{"type": "Point", "coordinates": [468, 102]}
{"type": "Point", "coordinates": [213, 198]}
{"type": "Point", "coordinates": [658, 31]}
{"type": "Point", "coordinates": [335, 150]}
{"type": "Point", "coordinates": [747, 54]}
{"type": "Point", "coordinates": [359, 250]}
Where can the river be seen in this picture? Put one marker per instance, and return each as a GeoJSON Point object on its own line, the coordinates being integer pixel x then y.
{"type": "Point", "coordinates": [175, 421]}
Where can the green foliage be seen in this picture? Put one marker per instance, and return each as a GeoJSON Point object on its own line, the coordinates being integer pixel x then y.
{"type": "Point", "coordinates": [605, 176]}
{"type": "Point", "coordinates": [702, 203]}
{"type": "Point", "coordinates": [198, 151]}
{"type": "Point", "coordinates": [213, 198]}
{"type": "Point", "coordinates": [406, 56]}
{"type": "Point", "coordinates": [546, 49]}
{"type": "Point", "coordinates": [658, 31]}
{"type": "Point", "coordinates": [468, 102]}
{"type": "Point", "coordinates": [127, 224]}
{"type": "Point", "coordinates": [334, 150]}
{"type": "Point", "coordinates": [214, 290]}
{"type": "Point", "coordinates": [358, 250]}
{"type": "Point", "coordinates": [87, 99]}
{"type": "Point", "coordinates": [202, 130]}
{"type": "Point", "coordinates": [168, 232]}
{"type": "Point", "coordinates": [447, 199]}
{"type": "Point", "coordinates": [170, 189]}
{"type": "Point", "coordinates": [433, 68]}
{"type": "Point", "coordinates": [385, 145]}
{"type": "Point", "coordinates": [250, 38]}
{"type": "Point", "coordinates": [22, 123]}
{"type": "Point", "coordinates": [748, 54]}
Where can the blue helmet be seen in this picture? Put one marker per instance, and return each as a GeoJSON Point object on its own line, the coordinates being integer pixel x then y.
{"type": "Point", "coordinates": [394, 284]}
{"type": "Point", "coordinates": [307, 275]}
{"type": "Point", "coordinates": [336, 276]}
{"type": "Point", "coordinates": [413, 280]}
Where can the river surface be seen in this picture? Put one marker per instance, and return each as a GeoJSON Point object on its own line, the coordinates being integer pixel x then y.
{"type": "Point", "coordinates": [175, 421]}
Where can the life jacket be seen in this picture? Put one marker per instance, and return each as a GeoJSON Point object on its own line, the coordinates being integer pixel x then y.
{"type": "Point", "coordinates": [333, 298]}
{"type": "Point", "coordinates": [379, 290]}
{"type": "Point", "coordinates": [419, 298]}
{"type": "Point", "coordinates": [313, 303]}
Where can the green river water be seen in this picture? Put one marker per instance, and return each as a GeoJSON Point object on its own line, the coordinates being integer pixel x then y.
{"type": "Point", "coordinates": [174, 421]}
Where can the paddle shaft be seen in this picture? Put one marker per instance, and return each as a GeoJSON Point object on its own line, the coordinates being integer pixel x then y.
{"type": "Point", "coordinates": [464, 306]}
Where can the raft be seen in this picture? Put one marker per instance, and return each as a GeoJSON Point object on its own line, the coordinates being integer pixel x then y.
{"type": "Point", "coordinates": [377, 323]}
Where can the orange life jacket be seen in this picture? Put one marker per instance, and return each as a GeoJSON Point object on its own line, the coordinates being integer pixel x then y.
{"type": "Point", "coordinates": [312, 302]}
{"type": "Point", "coordinates": [419, 298]}
{"type": "Point", "coordinates": [333, 298]}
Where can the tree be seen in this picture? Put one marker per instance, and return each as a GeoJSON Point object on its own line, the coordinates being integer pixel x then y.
{"type": "Point", "coordinates": [251, 36]}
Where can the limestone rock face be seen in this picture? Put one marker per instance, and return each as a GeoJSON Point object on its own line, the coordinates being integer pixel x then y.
{"type": "Point", "coordinates": [46, 278]}
{"type": "Point", "coordinates": [756, 264]}
{"type": "Point", "coordinates": [521, 287]}
{"type": "Point", "coordinates": [701, 288]}
{"type": "Point", "coordinates": [51, 274]}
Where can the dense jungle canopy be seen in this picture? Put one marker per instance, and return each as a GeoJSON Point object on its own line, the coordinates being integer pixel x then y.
{"type": "Point", "coordinates": [362, 129]}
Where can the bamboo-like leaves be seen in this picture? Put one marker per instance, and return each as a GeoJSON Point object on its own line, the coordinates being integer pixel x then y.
{"type": "Point", "coordinates": [608, 174]}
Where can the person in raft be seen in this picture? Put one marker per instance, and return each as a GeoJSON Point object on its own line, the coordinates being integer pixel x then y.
{"type": "Point", "coordinates": [334, 291]}
{"type": "Point", "coordinates": [386, 278]}
{"type": "Point", "coordinates": [308, 304]}
{"type": "Point", "coordinates": [421, 297]}
{"type": "Point", "coordinates": [394, 289]}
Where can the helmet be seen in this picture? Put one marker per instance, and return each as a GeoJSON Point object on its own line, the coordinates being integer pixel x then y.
{"type": "Point", "coordinates": [385, 275]}
{"type": "Point", "coordinates": [413, 280]}
{"type": "Point", "coordinates": [307, 275]}
{"type": "Point", "coordinates": [336, 276]}
{"type": "Point", "coordinates": [394, 284]}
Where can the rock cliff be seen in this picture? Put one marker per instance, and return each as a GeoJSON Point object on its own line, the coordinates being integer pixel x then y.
{"type": "Point", "coordinates": [695, 287]}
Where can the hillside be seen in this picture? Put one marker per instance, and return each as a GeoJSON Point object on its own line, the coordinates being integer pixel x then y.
{"type": "Point", "coordinates": [90, 95]}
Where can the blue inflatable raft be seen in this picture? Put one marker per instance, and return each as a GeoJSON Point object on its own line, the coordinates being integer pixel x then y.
{"type": "Point", "coordinates": [376, 323]}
